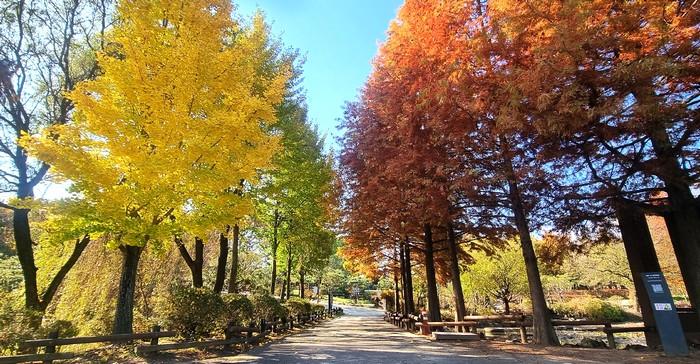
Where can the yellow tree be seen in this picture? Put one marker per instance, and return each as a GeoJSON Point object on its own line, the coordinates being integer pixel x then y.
{"type": "Point", "coordinates": [179, 113]}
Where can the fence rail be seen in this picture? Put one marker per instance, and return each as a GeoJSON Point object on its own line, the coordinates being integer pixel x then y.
{"type": "Point", "coordinates": [419, 322]}
{"type": "Point", "coordinates": [243, 335]}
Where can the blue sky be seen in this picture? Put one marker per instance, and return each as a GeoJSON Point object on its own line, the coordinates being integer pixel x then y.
{"type": "Point", "coordinates": [339, 39]}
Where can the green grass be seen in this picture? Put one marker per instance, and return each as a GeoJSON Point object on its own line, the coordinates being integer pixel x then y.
{"type": "Point", "coordinates": [351, 302]}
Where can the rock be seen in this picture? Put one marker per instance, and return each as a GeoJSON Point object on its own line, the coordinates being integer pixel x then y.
{"type": "Point", "coordinates": [592, 343]}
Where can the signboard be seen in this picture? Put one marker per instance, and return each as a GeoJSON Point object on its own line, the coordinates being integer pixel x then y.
{"type": "Point", "coordinates": [667, 323]}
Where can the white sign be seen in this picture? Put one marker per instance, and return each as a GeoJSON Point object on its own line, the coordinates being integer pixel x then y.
{"type": "Point", "coordinates": [663, 307]}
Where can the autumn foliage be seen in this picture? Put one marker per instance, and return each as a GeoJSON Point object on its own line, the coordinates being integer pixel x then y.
{"type": "Point", "coordinates": [489, 120]}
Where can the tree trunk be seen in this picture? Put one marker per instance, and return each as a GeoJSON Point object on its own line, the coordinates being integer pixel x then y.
{"type": "Point", "coordinates": [283, 289]}
{"type": "Point", "coordinates": [431, 282]}
{"type": "Point", "coordinates": [275, 245]}
{"type": "Point", "coordinates": [301, 283]}
{"type": "Point", "coordinates": [195, 265]}
{"type": "Point", "coordinates": [233, 276]}
{"type": "Point", "coordinates": [197, 276]}
{"type": "Point", "coordinates": [221, 263]}
{"type": "Point", "coordinates": [683, 221]}
{"type": "Point", "coordinates": [410, 304]}
{"type": "Point", "coordinates": [454, 268]}
{"type": "Point", "coordinates": [396, 292]}
{"type": "Point", "coordinates": [25, 253]}
{"type": "Point", "coordinates": [641, 256]}
{"type": "Point", "coordinates": [289, 272]}
{"type": "Point", "coordinates": [51, 290]}
{"type": "Point", "coordinates": [506, 306]}
{"type": "Point", "coordinates": [124, 315]}
{"type": "Point", "coordinates": [402, 264]}
{"type": "Point", "coordinates": [681, 233]}
{"type": "Point", "coordinates": [543, 331]}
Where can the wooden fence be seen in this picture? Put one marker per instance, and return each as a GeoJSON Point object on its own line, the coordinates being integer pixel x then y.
{"type": "Point", "coordinates": [522, 322]}
{"type": "Point", "coordinates": [233, 335]}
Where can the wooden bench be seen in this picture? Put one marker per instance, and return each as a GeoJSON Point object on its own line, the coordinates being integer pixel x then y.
{"type": "Point", "coordinates": [611, 331]}
{"type": "Point", "coordinates": [426, 327]}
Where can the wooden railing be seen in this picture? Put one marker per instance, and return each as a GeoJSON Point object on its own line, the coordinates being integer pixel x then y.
{"type": "Point", "coordinates": [233, 335]}
{"type": "Point", "coordinates": [51, 343]}
{"type": "Point", "coordinates": [522, 322]}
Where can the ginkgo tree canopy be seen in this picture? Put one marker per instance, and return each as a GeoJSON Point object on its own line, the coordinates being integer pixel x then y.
{"type": "Point", "coordinates": [178, 115]}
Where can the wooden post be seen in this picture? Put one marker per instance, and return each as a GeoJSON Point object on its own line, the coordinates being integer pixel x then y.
{"type": "Point", "coordinates": [611, 336]}
{"type": "Point", "coordinates": [154, 340]}
{"type": "Point", "coordinates": [228, 334]}
{"type": "Point", "coordinates": [251, 328]}
{"type": "Point", "coordinates": [425, 328]}
{"type": "Point", "coordinates": [523, 334]}
{"type": "Point", "coordinates": [50, 349]}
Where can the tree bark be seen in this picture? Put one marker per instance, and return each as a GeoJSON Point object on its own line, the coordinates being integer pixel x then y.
{"type": "Point", "coordinates": [410, 304]}
{"type": "Point", "coordinates": [195, 264]}
{"type": "Point", "coordinates": [431, 282]}
{"type": "Point", "coordinates": [683, 221]}
{"type": "Point", "coordinates": [124, 315]}
{"type": "Point", "coordinates": [641, 256]}
{"type": "Point", "coordinates": [233, 276]}
{"type": "Point", "coordinates": [402, 265]}
{"type": "Point", "coordinates": [275, 245]}
{"type": "Point", "coordinates": [289, 272]}
{"type": "Point", "coordinates": [506, 305]}
{"type": "Point", "coordinates": [51, 290]}
{"type": "Point", "coordinates": [221, 263]}
{"type": "Point", "coordinates": [454, 268]}
{"type": "Point", "coordinates": [301, 283]}
{"type": "Point", "coordinates": [543, 331]}
{"type": "Point", "coordinates": [25, 253]}
{"type": "Point", "coordinates": [396, 292]}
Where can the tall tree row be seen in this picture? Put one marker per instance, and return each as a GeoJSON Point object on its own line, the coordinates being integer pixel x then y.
{"type": "Point", "coordinates": [485, 120]}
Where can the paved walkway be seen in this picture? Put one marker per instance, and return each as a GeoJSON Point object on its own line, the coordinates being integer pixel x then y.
{"type": "Point", "coordinates": [361, 336]}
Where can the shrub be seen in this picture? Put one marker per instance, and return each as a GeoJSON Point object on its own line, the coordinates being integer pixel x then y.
{"type": "Point", "coordinates": [16, 325]}
{"type": "Point", "coordinates": [296, 305]}
{"type": "Point", "coordinates": [266, 307]}
{"type": "Point", "coordinates": [193, 312]}
{"type": "Point", "coordinates": [317, 307]}
{"type": "Point", "coordinates": [590, 308]}
{"type": "Point", "coordinates": [237, 309]}
{"type": "Point", "coordinates": [65, 328]}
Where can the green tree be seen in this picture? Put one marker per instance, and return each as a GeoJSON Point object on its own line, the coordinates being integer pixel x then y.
{"type": "Point", "coordinates": [500, 276]}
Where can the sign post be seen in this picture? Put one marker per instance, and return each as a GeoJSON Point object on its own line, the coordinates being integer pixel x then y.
{"type": "Point", "coordinates": [667, 323]}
